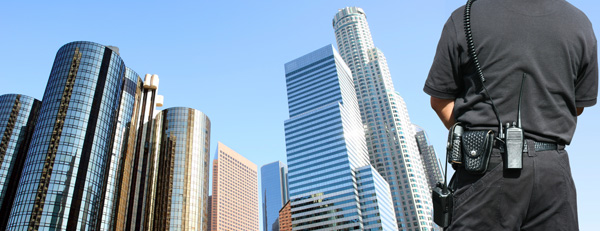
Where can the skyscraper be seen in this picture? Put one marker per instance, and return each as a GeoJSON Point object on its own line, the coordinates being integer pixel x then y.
{"type": "Point", "coordinates": [274, 188]}
{"type": "Point", "coordinates": [140, 152]}
{"type": "Point", "coordinates": [376, 201]}
{"type": "Point", "coordinates": [390, 135]}
{"type": "Point", "coordinates": [326, 147]}
{"type": "Point", "coordinates": [430, 160]}
{"type": "Point", "coordinates": [18, 114]}
{"type": "Point", "coordinates": [114, 177]}
{"type": "Point", "coordinates": [94, 157]}
{"type": "Point", "coordinates": [178, 195]}
{"type": "Point", "coordinates": [65, 168]}
{"type": "Point", "coordinates": [234, 191]}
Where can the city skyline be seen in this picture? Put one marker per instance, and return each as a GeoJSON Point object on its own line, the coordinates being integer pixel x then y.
{"type": "Point", "coordinates": [153, 52]}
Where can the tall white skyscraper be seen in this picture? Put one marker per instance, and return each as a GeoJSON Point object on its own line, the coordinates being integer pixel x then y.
{"type": "Point", "coordinates": [389, 133]}
{"type": "Point", "coordinates": [331, 184]}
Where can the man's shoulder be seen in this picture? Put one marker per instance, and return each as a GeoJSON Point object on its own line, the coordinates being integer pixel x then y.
{"type": "Point", "coordinates": [483, 9]}
{"type": "Point", "coordinates": [576, 13]}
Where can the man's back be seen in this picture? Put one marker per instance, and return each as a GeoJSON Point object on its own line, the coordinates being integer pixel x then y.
{"type": "Point", "coordinates": [553, 44]}
{"type": "Point", "coordinates": [549, 40]}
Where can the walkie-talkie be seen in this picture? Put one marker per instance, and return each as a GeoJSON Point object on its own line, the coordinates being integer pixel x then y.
{"type": "Point", "coordinates": [514, 139]}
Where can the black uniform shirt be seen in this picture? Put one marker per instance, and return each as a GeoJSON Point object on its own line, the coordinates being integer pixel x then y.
{"type": "Point", "coordinates": [550, 40]}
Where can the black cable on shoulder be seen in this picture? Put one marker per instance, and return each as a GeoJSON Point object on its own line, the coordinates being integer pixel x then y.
{"type": "Point", "coordinates": [473, 53]}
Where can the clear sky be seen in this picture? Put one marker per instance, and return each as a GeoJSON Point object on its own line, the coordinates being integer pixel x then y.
{"type": "Point", "coordinates": [226, 58]}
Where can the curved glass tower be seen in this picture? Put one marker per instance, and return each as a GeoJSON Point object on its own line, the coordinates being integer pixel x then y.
{"type": "Point", "coordinates": [18, 114]}
{"type": "Point", "coordinates": [123, 131]}
{"type": "Point", "coordinates": [178, 199]}
{"type": "Point", "coordinates": [65, 168]}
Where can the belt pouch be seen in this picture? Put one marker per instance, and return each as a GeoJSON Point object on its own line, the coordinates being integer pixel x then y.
{"type": "Point", "coordinates": [453, 148]}
{"type": "Point", "coordinates": [477, 148]}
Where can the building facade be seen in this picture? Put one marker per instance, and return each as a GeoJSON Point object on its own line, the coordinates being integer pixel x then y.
{"type": "Point", "coordinates": [389, 133]}
{"type": "Point", "coordinates": [285, 218]}
{"type": "Point", "coordinates": [210, 212]}
{"type": "Point", "coordinates": [274, 189]}
{"type": "Point", "coordinates": [178, 198]}
{"type": "Point", "coordinates": [325, 144]}
{"type": "Point", "coordinates": [430, 160]}
{"type": "Point", "coordinates": [376, 208]}
{"type": "Point", "coordinates": [138, 159]}
{"type": "Point", "coordinates": [64, 172]}
{"type": "Point", "coordinates": [125, 117]}
{"type": "Point", "coordinates": [234, 191]}
{"type": "Point", "coordinates": [18, 114]}
{"type": "Point", "coordinates": [95, 155]}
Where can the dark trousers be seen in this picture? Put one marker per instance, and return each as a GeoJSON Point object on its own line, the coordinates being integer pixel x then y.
{"type": "Point", "coordinates": [541, 196]}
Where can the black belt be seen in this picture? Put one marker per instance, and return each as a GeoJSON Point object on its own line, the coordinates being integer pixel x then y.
{"type": "Point", "coordinates": [541, 146]}
{"type": "Point", "coordinates": [538, 146]}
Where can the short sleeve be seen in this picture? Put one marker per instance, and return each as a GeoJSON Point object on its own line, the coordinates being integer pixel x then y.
{"type": "Point", "coordinates": [441, 81]}
{"type": "Point", "coordinates": [586, 85]}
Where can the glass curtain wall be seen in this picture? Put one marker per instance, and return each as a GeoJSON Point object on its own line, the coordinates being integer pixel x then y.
{"type": "Point", "coordinates": [65, 168]}
{"type": "Point", "coordinates": [18, 114]}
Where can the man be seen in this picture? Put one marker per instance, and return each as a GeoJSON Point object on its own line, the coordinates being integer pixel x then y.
{"type": "Point", "coordinates": [553, 43]}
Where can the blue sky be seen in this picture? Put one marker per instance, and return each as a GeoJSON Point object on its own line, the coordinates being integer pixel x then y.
{"type": "Point", "coordinates": [226, 58]}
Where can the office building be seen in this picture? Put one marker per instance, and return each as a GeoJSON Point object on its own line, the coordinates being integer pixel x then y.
{"type": "Point", "coordinates": [274, 189]}
{"type": "Point", "coordinates": [376, 201]}
{"type": "Point", "coordinates": [178, 195]}
{"type": "Point", "coordinates": [285, 217]}
{"type": "Point", "coordinates": [325, 144]}
{"type": "Point", "coordinates": [430, 160]}
{"type": "Point", "coordinates": [18, 114]}
{"type": "Point", "coordinates": [234, 191]}
{"type": "Point", "coordinates": [389, 133]}
{"type": "Point", "coordinates": [64, 172]}
{"type": "Point", "coordinates": [95, 154]}
{"type": "Point", "coordinates": [132, 208]}
{"type": "Point", "coordinates": [125, 117]}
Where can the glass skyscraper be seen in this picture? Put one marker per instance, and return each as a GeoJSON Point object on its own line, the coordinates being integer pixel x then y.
{"type": "Point", "coordinates": [18, 114]}
{"type": "Point", "coordinates": [274, 189]}
{"type": "Point", "coordinates": [375, 199]}
{"type": "Point", "coordinates": [325, 145]}
{"type": "Point", "coordinates": [430, 160]}
{"type": "Point", "coordinates": [390, 135]}
{"type": "Point", "coordinates": [110, 196]}
{"type": "Point", "coordinates": [94, 154]}
{"type": "Point", "coordinates": [64, 172]}
{"type": "Point", "coordinates": [138, 158]}
{"type": "Point", "coordinates": [178, 198]}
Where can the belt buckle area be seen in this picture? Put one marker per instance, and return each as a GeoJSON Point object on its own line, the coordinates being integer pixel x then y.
{"type": "Point", "coordinates": [544, 146]}
{"type": "Point", "coordinates": [537, 146]}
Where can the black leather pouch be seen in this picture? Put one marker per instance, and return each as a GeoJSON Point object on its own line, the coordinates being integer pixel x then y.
{"type": "Point", "coordinates": [477, 149]}
{"type": "Point", "coordinates": [453, 148]}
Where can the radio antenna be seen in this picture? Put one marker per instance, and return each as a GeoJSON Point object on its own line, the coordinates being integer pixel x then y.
{"type": "Point", "coordinates": [520, 96]}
